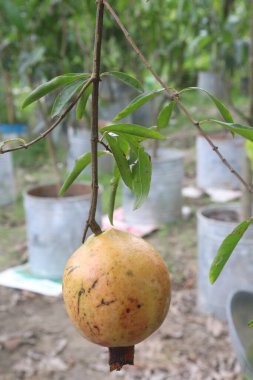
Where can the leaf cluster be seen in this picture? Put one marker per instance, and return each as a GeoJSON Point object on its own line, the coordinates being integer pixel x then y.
{"type": "Point", "coordinates": [124, 141]}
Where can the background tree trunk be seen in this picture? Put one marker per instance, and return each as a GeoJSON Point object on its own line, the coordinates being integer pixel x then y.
{"type": "Point", "coordinates": [9, 97]}
{"type": "Point", "coordinates": [246, 204]}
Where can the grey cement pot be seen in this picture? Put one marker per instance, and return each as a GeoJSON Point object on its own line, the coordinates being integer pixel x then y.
{"type": "Point", "coordinates": [240, 312]}
{"type": "Point", "coordinates": [164, 201]}
{"type": "Point", "coordinates": [7, 180]}
{"type": "Point", "coordinates": [211, 172]}
{"type": "Point", "coordinates": [213, 82]}
{"type": "Point", "coordinates": [55, 226]}
{"type": "Point", "coordinates": [79, 143]}
{"type": "Point", "coordinates": [238, 272]}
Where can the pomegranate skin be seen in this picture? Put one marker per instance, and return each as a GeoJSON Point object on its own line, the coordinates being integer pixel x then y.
{"type": "Point", "coordinates": [116, 289]}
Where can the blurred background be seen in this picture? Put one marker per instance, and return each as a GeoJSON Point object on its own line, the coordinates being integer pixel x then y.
{"type": "Point", "coordinates": [194, 200]}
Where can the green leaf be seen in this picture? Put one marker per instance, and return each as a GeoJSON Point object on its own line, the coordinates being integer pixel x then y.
{"type": "Point", "coordinates": [137, 103]}
{"type": "Point", "coordinates": [114, 187]}
{"type": "Point", "coordinates": [80, 164]}
{"type": "Point", "coordinates": [226, 249]}
{"type": "Point", "coordinates": [123, 144]}
{"type": "Point", "coordinates": [165, 115]}
{"type": "Point", "coordinates": [220, 106]}
{"type": "Point", "coordinates": [129, 80]}
{"type": "Point", "coordinates": [133, 129]}
{"type": "Point", "coordinates": [12, 142]}
{"type": "Point", "coordinates": [53, 84]}
{"type": "Point", "coordinates": [65, 96]}
{"type": "Point", "coordinates": [242, 130]}
{"type": "Point", "coordinates": [250, 324]}
{"type": "Point", "coordinates": [81, 104]}
{"type": "Point", "coordinates": [120, 159]}
{"type": "Point", "coordinates": [142, 171]}
{"type": "Point", "coordinates": [134, 145]}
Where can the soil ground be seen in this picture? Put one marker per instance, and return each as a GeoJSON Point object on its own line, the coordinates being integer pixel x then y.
{"type": "Point", "coordinates": [38, 342]}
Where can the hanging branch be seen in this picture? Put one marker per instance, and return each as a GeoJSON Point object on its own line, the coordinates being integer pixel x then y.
{"type": "Point", "coordinates": [91, 222]}
{"type": "Point", "coordinates": [173, 95]}
{"type": "Point", "coordinates": [53, 126]}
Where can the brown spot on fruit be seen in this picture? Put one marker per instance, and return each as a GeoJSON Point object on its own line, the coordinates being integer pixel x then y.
{"type": "Point", "coordinates": [105, 303]}
{"type": "Point", "coordinates": [80, 293]}
{"type": "Point", "coordinates": [93, 286]}
{"type": "Point", "coordinates": [71, 269]}
{"type": "Point", "coordinates": [97, 328]}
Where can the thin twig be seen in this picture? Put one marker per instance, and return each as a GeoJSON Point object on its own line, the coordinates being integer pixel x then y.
{"type": "Point", "coordinates": [105, 145]}
{"type": "Point", "coordinates": [174, 95]}
{"type": "Point", "coordinates": [91, 222]}
{"type": "Point", "coordinates": [44, 134]}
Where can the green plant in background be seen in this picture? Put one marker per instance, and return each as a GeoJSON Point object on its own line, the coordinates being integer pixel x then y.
{"type": "Point", "coordinates": [220, 40]}
{"type": "Point", "coordinates": [8, 51]}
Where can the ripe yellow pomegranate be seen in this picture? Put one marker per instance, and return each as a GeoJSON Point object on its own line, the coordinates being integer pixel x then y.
{"type": "Point", "coordinates": [116, 289]}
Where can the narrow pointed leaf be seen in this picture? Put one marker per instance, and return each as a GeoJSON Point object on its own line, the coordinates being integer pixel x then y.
{"type": "Point", "coordinates": [123, 144]}
{"type": "Point", "coordinates": [220, 106]}
{"type": "Point", "coordinates": [242, 130]}
{"type": "Point", "coordinates": [137, 103]}
{"type": "Point", "coordinates": [80, 164]}
{"type": "Point", "coordinates": [82, 102]}
{"type": "Point", "coordinates": [65, 96]}
{"type": "Point", "coordinates": [114, 187]}
{"type": "Point", "coordinates": [52, 85]}
{"type": "Point", "coordinates": [250, 324]}
{"type": "Point", "coordinates": [165, 115]}
{"type": "Point", "coordinates": [142, 172]}
{"type": "Point", "coordinates": [129, 80]}
{"type": "Point", "coordinates": [226, 249]}
{"type": "Point", "coordinates": [120, 159]}
{"type": "Point", "coordinates": [12, 142]}
{"type": "Point", "coordinates": [133, 129]}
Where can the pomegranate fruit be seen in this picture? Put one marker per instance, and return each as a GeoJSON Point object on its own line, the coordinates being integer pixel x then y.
{"type": "Point", "coordinates": [116, 289]}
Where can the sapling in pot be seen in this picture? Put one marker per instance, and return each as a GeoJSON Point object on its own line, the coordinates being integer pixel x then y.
{"type": "Point", "coordinates": [114, 278]}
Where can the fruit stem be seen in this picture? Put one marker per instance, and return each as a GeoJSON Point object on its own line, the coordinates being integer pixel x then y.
{"type": "Point", "coordinates": [120, 356]}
